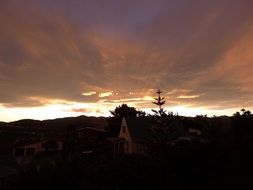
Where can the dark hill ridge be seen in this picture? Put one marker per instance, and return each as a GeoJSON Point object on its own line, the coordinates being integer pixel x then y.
{"type": "Point", "coordinates": [2, 123]}
{"type": "Point", "coordinates": [62, 123]}
{"type": "Point", "coordinates": [26, 123]}
{"type": "Point", "coordinates": [81, 121]}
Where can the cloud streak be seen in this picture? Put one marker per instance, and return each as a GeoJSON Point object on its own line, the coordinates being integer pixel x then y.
{"type": "Point", "coordinates": [199, 53]}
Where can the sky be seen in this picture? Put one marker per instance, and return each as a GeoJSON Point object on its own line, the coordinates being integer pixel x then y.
{"type": "Point", "coordinates": [61, 58]}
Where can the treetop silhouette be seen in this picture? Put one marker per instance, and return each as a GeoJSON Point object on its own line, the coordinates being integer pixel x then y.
{"type": "Point", "coordinates": [159, 101]}
{"type": "Point", "coordinates": [124, 111]}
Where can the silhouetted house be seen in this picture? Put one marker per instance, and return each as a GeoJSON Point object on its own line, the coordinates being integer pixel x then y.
{"type": "Point", "coordinates": [136, 132]}
{"type": "Point", "coordinates": [90, 132]}
{"type": "Point", "coordinates": [25, 150]}
{"type": "Point", "coordinates": [88, 138]}
{"type": "Point", "coordinates": [133, 135]}
{"type": "Point", "coordinates": [85, 141]}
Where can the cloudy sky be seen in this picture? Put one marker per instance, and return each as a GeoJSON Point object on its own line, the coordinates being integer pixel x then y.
{"type": "Point", "coordinates": [63, 58]}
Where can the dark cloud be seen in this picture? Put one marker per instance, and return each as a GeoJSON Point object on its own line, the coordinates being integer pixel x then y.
{"type": "Point", "coordinates": [199, 52]}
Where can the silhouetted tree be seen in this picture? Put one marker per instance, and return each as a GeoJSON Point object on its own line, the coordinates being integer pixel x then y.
{"type": "Point", "coordinates": [243, 126]}
{"type": "Point", "coordinates": [141, 113]}
{"type": "Point", "coordinates": [118, 113]}
{"type": "Point", "coordinates": [124, 111]}
{"type": "Point", "coordinates": [165, 130]}
{"type": "Point", "coordinates": [159, 101]}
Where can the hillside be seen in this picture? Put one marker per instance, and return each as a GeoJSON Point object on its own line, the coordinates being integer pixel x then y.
{"type": "Point", "coordinates": [62, 123]}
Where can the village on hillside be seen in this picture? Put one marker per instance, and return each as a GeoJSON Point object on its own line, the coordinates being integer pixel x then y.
{"type": "Point", "coordinates": [129, 150]}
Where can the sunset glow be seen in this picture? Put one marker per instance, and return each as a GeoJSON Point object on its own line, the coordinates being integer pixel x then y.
{"type": "Point", "coordinates": [70, 58]}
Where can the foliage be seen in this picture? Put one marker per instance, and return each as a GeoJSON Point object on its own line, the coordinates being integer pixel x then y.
{"type": "Point", "coordinates": [124, 111]}
{"type": "Point", "coordinates": [159, 102]}
{"type": "Point", "coordinates": [119, 112]}
{"type": "Point", "coordinates": [167, 128]}
{"type": "Point", "coordinates": [243, 128]}
{"type": "Point", "coordinates": [141, 113]}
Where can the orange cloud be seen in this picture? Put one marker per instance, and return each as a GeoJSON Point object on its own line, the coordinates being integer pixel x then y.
{"type": "Point", "coordinates": [199, 57]}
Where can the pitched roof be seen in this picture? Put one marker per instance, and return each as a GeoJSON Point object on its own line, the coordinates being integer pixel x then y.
{"type": "Point", "coordinates": [139, 127]}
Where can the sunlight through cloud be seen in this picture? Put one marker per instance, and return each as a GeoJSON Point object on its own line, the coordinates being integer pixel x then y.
{"type": "Point", "coordinates": [105, 94]}
{"type": "Point", "coordinates": [88, 93]}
